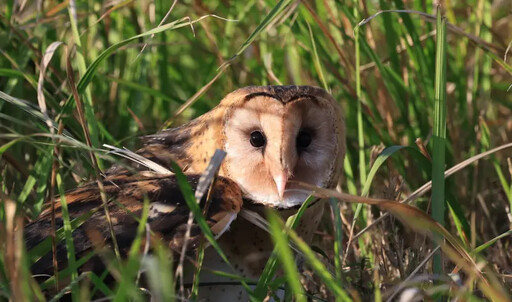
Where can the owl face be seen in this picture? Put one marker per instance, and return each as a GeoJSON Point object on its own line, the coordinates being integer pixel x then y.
{"type": "Point", "coordinates": [277, 136]}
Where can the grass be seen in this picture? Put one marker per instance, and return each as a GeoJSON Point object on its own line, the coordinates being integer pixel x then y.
{"type": "Point", "coordinates": [380, 59]}
{"type": "Point", "coordinates": [439, 133]}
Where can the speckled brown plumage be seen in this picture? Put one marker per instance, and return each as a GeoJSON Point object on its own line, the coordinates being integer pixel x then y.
{"type": "Point", "coordinates": [167, 217]}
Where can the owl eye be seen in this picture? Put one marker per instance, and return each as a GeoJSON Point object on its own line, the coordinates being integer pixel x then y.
{"type": "Point", "coordinates": [257, 139]}
{"type": "Point", "coordinates": [303, 139]}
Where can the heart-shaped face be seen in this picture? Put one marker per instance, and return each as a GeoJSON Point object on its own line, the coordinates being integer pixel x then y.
{"type": "Point", "coordinates": [276, 136]}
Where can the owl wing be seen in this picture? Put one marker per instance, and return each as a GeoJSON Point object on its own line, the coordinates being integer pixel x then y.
{"type": "Point", "coordinates": [167, 218]}
{"type": "Point", "coordinates": [165, 147]}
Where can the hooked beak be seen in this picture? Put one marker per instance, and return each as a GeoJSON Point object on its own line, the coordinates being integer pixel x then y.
{"type": "Point", "coordinates": [281, 179]}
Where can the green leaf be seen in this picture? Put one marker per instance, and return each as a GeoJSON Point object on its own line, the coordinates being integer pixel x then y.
{"type": "Point", "coordinates": [270, 269]}
{"type": "Point", "coordinates": [285, 255]}
{"type": "Point", "coordinates": [439, 133]}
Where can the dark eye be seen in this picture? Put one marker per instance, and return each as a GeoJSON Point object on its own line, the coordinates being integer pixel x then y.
{"type": "Point", "coordinates": [303, 139]}
{"type": "Point", "coordinates": [257, 139]}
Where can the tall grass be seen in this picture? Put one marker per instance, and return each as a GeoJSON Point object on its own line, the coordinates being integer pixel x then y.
{"type": "Point", "coordinates": [439, 132]}
{"type": "Point", "coordinates": [380, 59]}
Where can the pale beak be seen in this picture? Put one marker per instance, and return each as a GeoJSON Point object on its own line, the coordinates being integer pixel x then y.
{"type": "Point", "coordinates": [281, 179]}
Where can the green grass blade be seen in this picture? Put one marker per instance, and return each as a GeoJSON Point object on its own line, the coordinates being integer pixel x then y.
{"type": "Point", "coordinates": [159, 273]}
{"type": "Point", "coordinates": [66, 272]}
{"type": "Point", "coordinates": [381, 158]}
{"type": "Point", "coordinates": [270, 269]}
{"type": "Point", "coordinates": [330, 282]}
{"type": "Point", "coordinates": [439, 133]}
{"type": "Point", "coordinates": [285, 255]}
{"type": "Point", "coordinates": [271, 16]}
{"type": "Point", "coordinates": [338, 237]}
{"type": "Point", "coordinates": [46, 245]}
{"type": "Point", "coordinates": [489, 243]}
{"type": "Point", "coordinates": [316, 60]}
{"type": "Point", "coordinates": [99, 284]}
{"type": "Point", "coordinates": [360, 130]}
{"type": "Point", "coordinates": [486, 144]}
{"type": "Point", "coordinates": [188, 194]}
{"type": "Point", "coordinates": [7, 72]}
{"type": "Point", "coordinates": [140, 88]}
{"type": "Point", "coordinates": [70, 246]}
{"type": "Point", "coordinates": [88, 105]}
{"type": "Point", "coordinates": [128, 287]}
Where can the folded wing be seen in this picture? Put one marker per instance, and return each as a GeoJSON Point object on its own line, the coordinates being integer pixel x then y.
{"type": "Point", "coordinates": [167, 219]}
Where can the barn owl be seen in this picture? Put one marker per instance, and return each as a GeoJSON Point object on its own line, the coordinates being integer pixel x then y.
{"type": "Point", "coordinates": [274, 137]}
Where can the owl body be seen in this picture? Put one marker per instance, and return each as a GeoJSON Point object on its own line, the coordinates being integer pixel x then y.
{"type": "Point", "coordinates": [274, 137]}
{"type": "Point", "coordinates": [248, 249]}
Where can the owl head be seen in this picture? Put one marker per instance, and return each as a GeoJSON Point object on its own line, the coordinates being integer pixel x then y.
{"type": "Point", "coordinates": [277, 136]}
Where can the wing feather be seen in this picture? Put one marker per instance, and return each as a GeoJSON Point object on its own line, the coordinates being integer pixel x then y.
{"type": "Point", "coordinates": [167, 218]}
